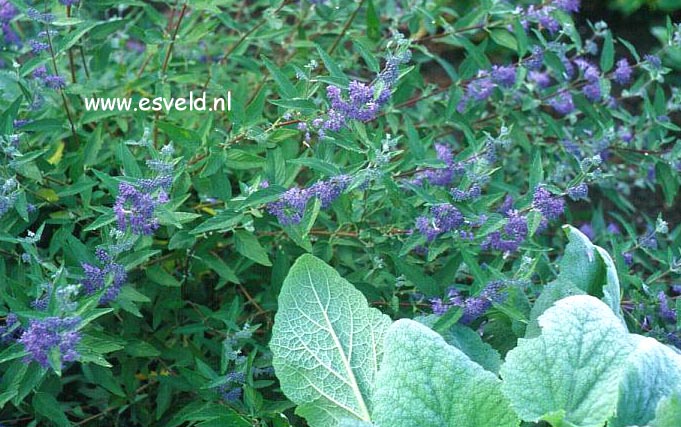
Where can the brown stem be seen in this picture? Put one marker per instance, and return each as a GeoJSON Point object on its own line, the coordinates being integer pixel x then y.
{"type": "Point", "coordinates": [61, 92]}
{"type": "Point", "coordinates": [346, 27]}
{"type": "Point", "coordinates": [166, 61]}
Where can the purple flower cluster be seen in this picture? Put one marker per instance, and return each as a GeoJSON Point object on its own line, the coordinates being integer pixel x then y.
{"type": "Point", "coordinates": [482, 86]}
{"type": "Point", "coordinates": [535, 61]}
{"type": "Point", "coordinates": [231, 391]}
{"type": "Point", "coordinates": [135, 209]}
{"type": "Point", "coordinates": [592, 90]}
{"type": "Point", "coordinates": [44, 335]}
{"type": "Point", "coordinates": [440, 176]}
{"type": "Point", "coordinates": [578, 192]}
{"type": "Point", "coordinates": [38, 47]}
{"type": "Point", "coordinates": [363, 104]}
{"type": "Point", "coordinates": [390, 72]}
{"type": "Point", "coordinates": [571, 6]}
{"type": "Point", "coordinates": [510, 237]}
{"type": "Point", "coordinates": [473, 307]}
{"type": "Point", "coordinates": [562, 103]}
{"type": "Point", "coordinates": [653, 61]}
{"type": "Point", "coordinates": [69, 2]}
{"type": "Point", "coordinates": [542, 15]}
{"type": "Point", "coordinates": [443, 218]}
{"type": "Point", "coordinates": [10, 331]}
{"type": "Point", "coordinates": [623, 72]}
{"type": "Point", "coordinates": [550, 206]}
{"type": "Point", "coordinates": [38, 16]}
{"type": "Point", "coordinates": [96, 277]}
{"type": "Point", "coordinates": [49, 81]}
{"type": "Point", "coordinates": [504, 75]}
{"type": "Point", "coordinates": [8, 195]}
{"type": "Point", "coordinates": [667, 313]}
{"type": "Point", "coordinates": [473, 192]}
{"type": "Point", "coordinates": [290, 207]}
{"type": "Point", "coordinates": [7, 13]}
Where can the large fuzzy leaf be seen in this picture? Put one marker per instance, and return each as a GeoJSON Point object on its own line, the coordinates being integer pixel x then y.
{"type": "Point", "coordinates": [423, 381]}
{"type": "Point", "coordinates": [327, 344]}
{"type": "Point", "coordinates": [668, 412]}
{"type": "Point", "coordinates": [570, 374]}
{"type": "Point", "coordinates": [584, 268]}
{"type": "Point", "coordinates": [652, 372]}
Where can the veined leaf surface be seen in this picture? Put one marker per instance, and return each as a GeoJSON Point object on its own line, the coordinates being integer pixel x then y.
{"type": "Point", "coordinates": [570, 374]}
{"type": "Point", "coordinates": [327, 344]}
{"type": "Point", "coordinates": [423, 381]}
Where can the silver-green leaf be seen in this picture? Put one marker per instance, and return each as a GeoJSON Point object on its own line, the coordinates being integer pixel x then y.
{"type": "Point", "coordinates": [327, 344]}
{"type": "Point", "coordinates": [570, 374]}
{"type": "Point", "coordinates": [423, 381]}
{"type": "Point", "coordinates": [652, 372]}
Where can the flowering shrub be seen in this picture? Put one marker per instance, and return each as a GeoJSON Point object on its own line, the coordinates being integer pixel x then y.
{"type": "Point", "coordinates": [170, 266]}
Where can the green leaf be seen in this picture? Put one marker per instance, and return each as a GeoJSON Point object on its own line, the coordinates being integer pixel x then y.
{"type": "Point", "coordinates": [373, 22]}
{"type": "Point", "coordinates": [332, 67]}
{"type": "Point", "coordinates": [249, 246]}
{"type": "Point", "coordinates": [423, 381]}
{"type": "Point", "coordinates": [591, 269]}
{"type": "Point", "coordinates": [470, 342]}
{"type": "Point", "coordinates": [327, 344]}
{"type": "Point", "coordinates": [554, 291]}
{"type": "Point", "coordinates": [608, 53]}
{"type": "Point", "coordinates": [570, 374]}
{"type": "Point", "coordinates": [668, 412]}
{"type": "Point", "coordinates": [652, 373]}
{"type": "Point", "coordinates": [47, 406]}
{"type": "Point", "coordinates": [505, 39]}
{"type": "Point", "coordinates": [286, 89]}
{"type": "Point", "coordinates": [668, 180]}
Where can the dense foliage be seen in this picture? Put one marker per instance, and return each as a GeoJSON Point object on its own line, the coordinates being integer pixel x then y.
{"type": "Point", "coordinates": [173, 267]}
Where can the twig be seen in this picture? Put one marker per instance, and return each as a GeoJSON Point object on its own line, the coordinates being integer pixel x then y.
{"type": "Point", "coordinates": [166, 61]}
{"type": "Point", "coordinates": [56, 73]}
{"type": "Point", "coordinates": [346, 27]}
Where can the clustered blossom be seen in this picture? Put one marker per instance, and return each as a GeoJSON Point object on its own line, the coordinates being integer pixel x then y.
{"type": "Point", "coordinates": [38, 16]}
{"type": "Point", "coordinates": [44, 335]}
{"type": "Point", "coordinates": [567, 5]}
{"type": "Point", "coordinates": [550, 206]}
{"type": "Point", "coordinates": [504, 75]}
{"type": "Point", "coordinates": [483, 85]}
{"type": "Point", "coordinates": [440, 176]}
{"type": "Point", "coordinates": [231, 391]}
{"type": "Point", "coordinates": [96, 277]}
{"type": "Point", "coordinates": [8, 194]}
{"type": "Point", "coordinates": [11, 329]}
{"type": "Point", "coordinates": [510, 237]}
{"type": "Point", "coordinates": [390, 72]}
{"type": "Point", "coordinates": [69, 2]}
{"type": "Point", "coordinates": [135, 209]}
{"type": "Point", "coordinates": [562, 103]}
{"type": "Point", "coordinates": [363, 104]}
{"type": "Point", "coordinates": [136, 204]}
{"type": "Point", "coordinates": [50, 81]}
{"type": "Point", "coordinates": [535, 61]}
{"type": "Point", "coordinates": [290, 207]}
{"type": "Point", "coordinates": [473, 192]}
{"type": "Point", "coordinates": [38, 46]}
{"type": "Point", "coordinates": [591, 90]}
{"type": "Point", "coordinates": [623, 72]}
{"type": "Point", "coordinates": [667, 313]}
{"type": "Point", "coordinates": [7, 13]}
{"type": "Point", "coordinates": [473, 307]}
{"type": "Point", "coordinates": [443, 218]}
{"type": "Point", "coordinates": [578, 192]}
